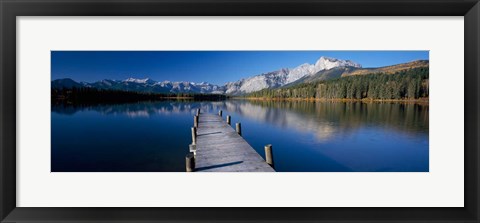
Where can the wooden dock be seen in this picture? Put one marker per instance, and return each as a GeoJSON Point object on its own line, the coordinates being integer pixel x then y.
{"type": "Point", "coordinates": [219, 148]}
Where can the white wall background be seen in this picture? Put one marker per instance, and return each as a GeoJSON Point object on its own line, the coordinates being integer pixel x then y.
{"type": "Point", "coordinates": [442, 186]}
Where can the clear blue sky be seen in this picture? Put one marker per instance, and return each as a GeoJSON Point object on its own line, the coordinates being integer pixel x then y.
{"type": "Point", "coordinates": [216, 67]}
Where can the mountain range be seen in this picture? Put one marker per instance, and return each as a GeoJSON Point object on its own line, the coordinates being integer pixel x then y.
{"type": "Point", "coordinates": [325, 68]}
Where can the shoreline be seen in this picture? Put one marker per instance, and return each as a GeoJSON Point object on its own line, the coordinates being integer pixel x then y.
{"type": "Point", "coordinates": [365, 100]}
{"type": "Point", "coordinates": [422, 101]}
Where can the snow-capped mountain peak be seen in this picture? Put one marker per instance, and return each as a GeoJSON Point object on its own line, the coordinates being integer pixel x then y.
{"type": "Point", "coordinates": [300, 71]}
{"type": "Point", "coordinates": [272, 79]}
{"type": "Point", "coordinates": [139, 81]}
{"type": "Point", "coordinates": [285, 76]}
{"type": "Point", "coordinates": [327, 63]}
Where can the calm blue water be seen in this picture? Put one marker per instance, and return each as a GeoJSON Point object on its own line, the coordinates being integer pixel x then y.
{"type": "Point", "coordinates": [306, 136]}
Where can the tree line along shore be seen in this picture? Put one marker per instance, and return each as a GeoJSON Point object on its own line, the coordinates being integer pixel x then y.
{"type": "Point", "coordinates": [404, 86]}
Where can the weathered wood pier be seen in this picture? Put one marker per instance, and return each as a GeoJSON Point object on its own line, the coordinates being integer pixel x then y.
{"type": "Point", "coordinates": [217, 147]}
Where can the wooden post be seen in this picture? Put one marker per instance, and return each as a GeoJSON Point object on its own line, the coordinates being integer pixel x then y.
{"type": "Point", "coordinates": [195, 121]}
{"type": "Point", "coordinates": [239, 128]}
{"type": "Point", "coordinates": [228, 119]}
{"type": "Point", "coordinates": [269, 155]}
{"type": "Point", "coordinates": [198, 111]}
{"type": "Point", "coordinates": [194, 135]}
{"type": "Point", "coordinates": [193, 149]}
{"type": "Point", "coordinates": [220, 113]}
{"type": "Point", "coordinates": [190, 162]}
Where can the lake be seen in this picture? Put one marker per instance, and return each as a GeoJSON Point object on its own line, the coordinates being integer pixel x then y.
{"type": "Point", "coordinates": [306, 136]}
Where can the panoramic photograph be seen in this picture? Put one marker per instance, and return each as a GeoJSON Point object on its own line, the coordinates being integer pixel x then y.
{"type": "Point", "coordinates": [239, 111]}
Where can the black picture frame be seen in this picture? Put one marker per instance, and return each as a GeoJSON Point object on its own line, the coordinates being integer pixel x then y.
{"type": "Point", "coordinates": [10, 9]}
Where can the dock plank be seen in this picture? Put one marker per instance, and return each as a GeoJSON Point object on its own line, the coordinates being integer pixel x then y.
{"type": "Point", "coordinates": [221, 149]}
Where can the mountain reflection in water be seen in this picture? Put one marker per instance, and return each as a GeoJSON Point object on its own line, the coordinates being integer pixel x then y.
{"type": "Point", "coordinates": [306, 136]}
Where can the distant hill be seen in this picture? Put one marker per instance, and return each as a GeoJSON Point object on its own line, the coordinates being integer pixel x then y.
{"type": "Point", "coordinates": [388, 69]}
{"type": "Point", "coordinates": [65, 83]}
